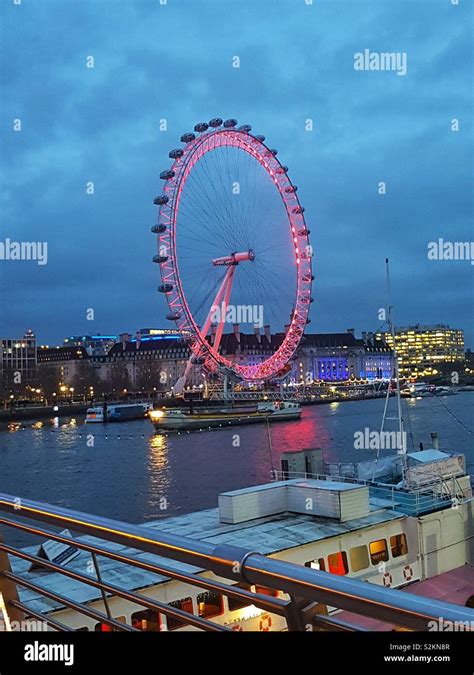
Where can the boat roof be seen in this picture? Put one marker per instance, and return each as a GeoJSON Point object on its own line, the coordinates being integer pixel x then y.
{"type": "Point", "coordinates": [430, 455]}
{"type": "Point", "coordinates": [267, 536]}
{"type": "Point", "coordinates": [455, 586]}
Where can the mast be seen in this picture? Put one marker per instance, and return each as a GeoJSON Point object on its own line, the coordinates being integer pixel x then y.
{"type": "Point", "coordinates": [390, 320]}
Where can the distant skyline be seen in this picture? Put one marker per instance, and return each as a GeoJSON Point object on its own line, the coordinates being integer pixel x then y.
{"type": "Point", "coordinates": [65, 125]}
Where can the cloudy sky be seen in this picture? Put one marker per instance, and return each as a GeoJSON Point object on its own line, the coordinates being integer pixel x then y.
{"type": "Point", "coordinates": [174, 61]}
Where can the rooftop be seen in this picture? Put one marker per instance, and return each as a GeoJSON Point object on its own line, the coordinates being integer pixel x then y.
{"type": "Point", "coordinates": [267, 536]}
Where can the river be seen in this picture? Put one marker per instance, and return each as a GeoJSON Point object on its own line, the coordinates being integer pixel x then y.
{"type": "Point", "coordinates": [125, 471]}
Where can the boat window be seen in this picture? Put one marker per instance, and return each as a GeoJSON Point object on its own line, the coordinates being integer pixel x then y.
{"type": "Point", "coordinates": [147, 620]}
{"type": "Point", "coordinates": [105, 628]}
{"type": "Point", "coordinates": [378, 551]}
{"type": "Point", "coordinates": [470, 602]}
{"type": "Point", "coordinates": [84, 629]}
{"type": "Point", "coordinates": [337, 563]}
{"type": "Point", "coordinates": [209, 604]}
{"type": "Point", "coordinates": [398, 544]}
{"type": "Point", "coordinates": [317, 564]}
{"type": "Point", "coordinates": [263, 590]}
{"type": "Point", "coordinates": [239, 603]}
{"type": "Point", "coordinates": [359, 558]}
{"type": "Point", "coordinates": [186, 605]}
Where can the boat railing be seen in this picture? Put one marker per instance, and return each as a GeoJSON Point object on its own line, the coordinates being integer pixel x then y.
{"type": "Point", "coordinates": [305, 592]}
{"type": "Point", "coordinates": [433, 494]}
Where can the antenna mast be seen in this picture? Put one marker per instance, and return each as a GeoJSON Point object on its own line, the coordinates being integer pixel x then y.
{"type": "Point", "coordinates": [403, 449]}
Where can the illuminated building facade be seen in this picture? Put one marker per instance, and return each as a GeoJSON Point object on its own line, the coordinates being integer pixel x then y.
{"type": "Point", "coordinates": [426, 350]}
{"type": "Point", "coordinates": [17, 362]}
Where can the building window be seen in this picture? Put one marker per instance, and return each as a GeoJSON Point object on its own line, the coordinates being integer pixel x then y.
{"type": "Point", "coordinates": [359, 558]}
{"type": "Point", "coordinates": [378, 551]}
{"type": "Point", "coordinates": [337, 563]}
{"type": "Point", "coordinates": [239, 603]}
{"type": "Point", "coordinates": [147, 620]}
{"type": "Point", "coordinates": [209, 604]}
{"type": "Point", "coordinates": [317, 564]}
{"type": "Point", "coordinates": [398, 545]}
{"type": "Point", "coordinates": [186, 605]}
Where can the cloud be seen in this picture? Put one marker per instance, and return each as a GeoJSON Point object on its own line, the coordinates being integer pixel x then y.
{"type": "Point", "coordinates": [174, 61]}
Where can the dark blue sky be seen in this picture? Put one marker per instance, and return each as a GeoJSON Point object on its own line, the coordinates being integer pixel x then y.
{"type": "Point", "coordinates": [175, 62]}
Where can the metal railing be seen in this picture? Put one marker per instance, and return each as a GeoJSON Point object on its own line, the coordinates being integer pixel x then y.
{"type": "Point", "coordinates": [306, 590]}
{"type": "Point", "coordinates": [414, 501]}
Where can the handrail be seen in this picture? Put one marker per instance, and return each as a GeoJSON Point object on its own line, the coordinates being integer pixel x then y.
{"type": "Point", "coordinates": [304, 585]}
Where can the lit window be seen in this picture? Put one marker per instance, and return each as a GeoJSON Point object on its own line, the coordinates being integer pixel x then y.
{"type": "Point", "coordinates": [266, 591]}
{"type": "Point", "coordinates": [209, 604]}
{"type": "Point", "coordinates": [378, 551]}
{"type": "Point", "coordinates": [105, 628]}
{"type": "Point", "coordinates": [337, 563]}
{"type": "Point", "coordinates": [186, 605]}
{"type": "Point", "coordinates": [317, 564]}
{"type": "Point", "coordinates": [398, 545]}
{"type": "Point", "coordinates": [359, 558]}
{"type": "Point", "coordinates": [147, 620]}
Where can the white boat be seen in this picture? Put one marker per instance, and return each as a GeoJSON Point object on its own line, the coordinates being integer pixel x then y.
{"type": "Point", "coordinates": [397, 537]}
{"type": "Point", "coordinates": [202, 418]}
{"type": "Point", "coordinates": [117, 412]}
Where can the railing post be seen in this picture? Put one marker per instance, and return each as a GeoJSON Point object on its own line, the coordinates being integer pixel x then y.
{"type": "Point", "coordinates": [8, 589]}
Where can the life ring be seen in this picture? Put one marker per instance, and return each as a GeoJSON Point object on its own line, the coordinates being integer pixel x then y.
{"type": "Point", "coordinates": [265, 623]}
{"type": "Point", "coordinates": [387, 579]}
{"type": "Point", "coordinates": [408, 573]}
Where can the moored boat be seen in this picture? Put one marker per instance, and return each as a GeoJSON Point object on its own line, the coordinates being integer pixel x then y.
{"type": "Point", "coordinates": [118, 412]}
{"type": "Point", "coordinates": [183, 420]}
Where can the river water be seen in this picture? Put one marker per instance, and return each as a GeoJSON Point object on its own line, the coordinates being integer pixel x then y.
{"type": "Point", "coordinates": [127, 472]}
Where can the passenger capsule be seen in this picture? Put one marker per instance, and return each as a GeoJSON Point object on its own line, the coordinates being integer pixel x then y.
{"type": "Point", "coordinates": [304, 232]}
{"type": "Point", "coordinates": [246, 128]}
{"type": "Point", "coordinates": [201, 126]}
{"type": "Point", "coordinates": [215, 122]}
{"type": "Point", "coordinates": [176, 153]}
{"type": "Point", "coordinates": [260, 138]}
{"type": "Point", "coordinates": [165, 288]}
{"type": "Point", "coordinates": [274, 152]}
{"type": "Point", "coordinates": [158, 229]}
{"type": "Point", "coordinates": [298, 209]}
{"type": "Point", "coordinates": [291, 188]}
{"type": "Point", "coordinates": [160, 258]}
{"type": "Point", "coordinates": [229, 124]}
{"type": "Point", "coordinates": [173, 316]}
{"type": "Point", "coordinates": [282, 169]}
{"type": "Point", "coordinates": [162, 199]}
{"type": "Point", "coordinates": [187, 138]}
{"type": "Point", "coordinates": [166, 175]}
{"type": "Point", "coordinates": [308, 277]}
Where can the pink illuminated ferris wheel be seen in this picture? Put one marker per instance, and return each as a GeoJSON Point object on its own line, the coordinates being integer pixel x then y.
{"type": "Point", "coordinates": [233, 248]}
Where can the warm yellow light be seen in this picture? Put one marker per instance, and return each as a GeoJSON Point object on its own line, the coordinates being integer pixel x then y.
{"type": "Point", "coordinates": [156, 414]}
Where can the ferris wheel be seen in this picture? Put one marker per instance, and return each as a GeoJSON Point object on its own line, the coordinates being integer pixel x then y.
{"type": "Point", "coordinates": [233, 249]}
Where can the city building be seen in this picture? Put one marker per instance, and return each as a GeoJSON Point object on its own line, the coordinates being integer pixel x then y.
{"type": "Point", "coordinates": [341, 356]}
{"type": "Point", "coordinates": [426, 350]}
{"type": "Point", "coordinates": [17, 363]}
{"type": "Point", "coordinates": [95, 345]}
{"type": "Point", "coordinates": [154, 360]}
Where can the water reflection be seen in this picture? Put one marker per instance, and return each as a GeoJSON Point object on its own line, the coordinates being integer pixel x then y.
{"type": "Point", "coordinates": [125, 471]}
